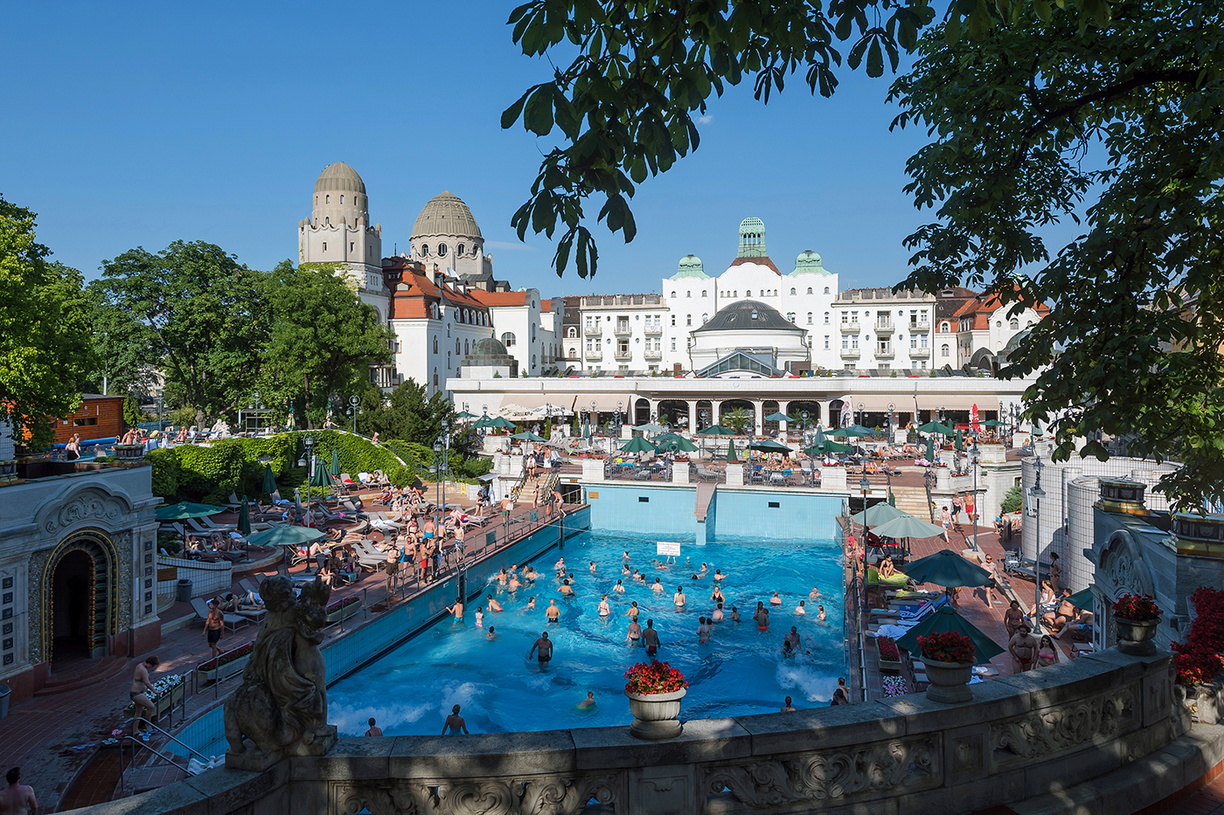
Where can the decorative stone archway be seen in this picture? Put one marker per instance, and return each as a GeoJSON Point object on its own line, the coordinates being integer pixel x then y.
{"type": "Point", "coordinates": [89, 555]}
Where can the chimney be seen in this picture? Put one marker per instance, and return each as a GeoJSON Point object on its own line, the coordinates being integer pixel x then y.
{"type": "Point", "coordinates": [1199, 535]}
{"type": "Point", "coordinates": [1120, 495]}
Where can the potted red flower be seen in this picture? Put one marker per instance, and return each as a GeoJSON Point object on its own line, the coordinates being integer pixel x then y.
{"type": "Point", "coordinates": [889, 654]}
{"type": "Point", "coordinates": [949, 658]}
{"type": "Point", "coordinates": [654, 691]}
{"type": "Point", "coordinates": [1136, 618]}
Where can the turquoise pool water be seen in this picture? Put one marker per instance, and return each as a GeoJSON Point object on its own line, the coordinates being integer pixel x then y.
{"type": "Point", "coordinates": [741, 670]}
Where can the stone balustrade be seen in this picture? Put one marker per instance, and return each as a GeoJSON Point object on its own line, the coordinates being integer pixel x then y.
{"type": "Point", "coordinates": [1022, 737]}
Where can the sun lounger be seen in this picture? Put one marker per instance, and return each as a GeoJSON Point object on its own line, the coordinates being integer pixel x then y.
{"type": "Point", "coordinates": [201, 609]}
{"type": "Point", "coordinates": [209, 529]}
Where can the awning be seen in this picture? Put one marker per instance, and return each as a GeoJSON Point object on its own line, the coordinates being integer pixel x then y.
{"type": "Point", "coordinates": [904, 402]}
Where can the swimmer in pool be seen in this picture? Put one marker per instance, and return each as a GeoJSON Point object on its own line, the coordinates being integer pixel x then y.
{"type": "Point", "coordinates": [531, 604]}
{"type": "Point", "coordinates": [479, 617]}
{"type": "Point", "coordinates": [632, 613]}
{"type": "Point", "coordinates": [514, 583]}
{"type": "Point", "coordinates": [735, 615]}
{"type": "Point", "coordinates": [619, 588]}
{"type": "Point", "coordinates": [456, 609]}
{"type": "Point", "coordinates": [493, 605]}
{"type": "Point", "coordinates": [678, 598]}
{"type": "Point", "coordinates": [800, 609]}
{"type": "Point", "coordinates": [703, 630]}
{"type": "Point", "coordinates": [635, 633]}
{"type": "Point", "coordinates": [657, 586]}
{"type": "Point", "coordinates": [820, 614]}
{"type": "Point", "coordinates": [650, 638]}
{"type": "Point", "coordinates": [588, 702]}
{"type": "Point", "coordinates": [718, 616]}
{"type": "Point", "coordinates": [717, 595]}
{"type": "Point", "coordinates": [775, 600]}
{"type": "Point", "coordinates": [491, 635]}
{"type": "Point", "coordinates": [604, 608]}
{"type": "Point", "coordinates": [552, 612]}
{"type": "Point", "coordinates": [592, 567]}
{"type": "Point", "coordinates": [718, 575]}
{"type": "Point", "coordinates": [565, 589]}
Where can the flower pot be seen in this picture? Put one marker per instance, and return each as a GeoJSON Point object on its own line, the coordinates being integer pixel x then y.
{"type": "Point", "coordinates": [886, 664]}
{"type": "Point", "coordinates": [949, 681]}
{"type": "Point", "coordinates": [344, 612]}
{"type": "Point", "coordinates": [224, 671]}
{"type": "Point", "coordinates": [1136, 637]}
{"type": "Point", "coordinates": [655, 715]}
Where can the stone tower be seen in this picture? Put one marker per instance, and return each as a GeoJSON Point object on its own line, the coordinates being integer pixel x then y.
{"type": "Point", "coordinates": [338, 231]}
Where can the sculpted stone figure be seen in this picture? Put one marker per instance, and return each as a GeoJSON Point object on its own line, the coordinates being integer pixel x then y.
{"type": "Point", "coordinates": [281, 708]}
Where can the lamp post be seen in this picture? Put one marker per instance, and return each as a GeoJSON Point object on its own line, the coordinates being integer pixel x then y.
{"type": "Point", "coordinates": [865, 486]}
{"type": "Point", "coordinates": [441, 448]}
{"type": "Point", "coordinates": [309, 443]}
{"type": "Point", "coordinates": [354, 411]}
{"type": "Point", "coordinates": [975, 456]}
{"type": "Point", "coordinates": [1037, 493]}
{"type": "Point", "coordinates": [928, 481]}
{"type": "Point", "coordinates": [256, 408]}
{"type": "Point", "coordinates": [620, 405]}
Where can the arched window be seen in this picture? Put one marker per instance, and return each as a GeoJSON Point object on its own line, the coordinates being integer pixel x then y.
{"type": "Point", "coordinates": [673, 320]}
{"type": "Point", "coordinates": [943, 350]}
{"type": "Point", "coordinates": [945, 326]}
{"type": "Point", "coordinates": [458, 250]}
{"type": "Point", "coordinates": [441, 250]}
{"type": "Point", "coordinates": [793, 291]}
{"type": "Point", "coordinates": [327, 199]}
{"type": "Point", "coordinates": [435, 377]}
{"type": "Point", "coordinates": [456, 345]}
{"type": "Point", "coordinates": [688, 320]}
{"type": "Point", "coordinates": [425, 249]}
{"type": "Point", "coordinates": [809, 318]}
{"type": "Point", "coordinates": [435, 345]}
{"type": "Point", "coordinates": [533, 361]}
{"type": "Point", "coordinates": [342, 199]}
{"type": "Point", "coordinates": [507, 339]}
{"type": "Point", "coordinates": [826, 289]}
{"type": "Point", "coordinates": [810, 290]}
{"type": "Point", "coordinates": [688, 294]}
{"type": "Point", "coordinates": [466, 348]}
{"type": "Point", "coordinates": [749, 293]}
{"type": "Point", "coordinates": [571, 332]}
{"type": "Point", "coordinates": [704, 318]}
{"type": "Point", "coordinates": [1014, 324]}
{"type": "Point", "coordinates": [703, 292]}
{"type": "Point", "coordinates": [790, 315]}
{"type": "Point", "coordinates": [826, 318]}
{"type": "Point", "coordinates": [672, 294]}
{"type": "Point", "coordinates": [573, 353]}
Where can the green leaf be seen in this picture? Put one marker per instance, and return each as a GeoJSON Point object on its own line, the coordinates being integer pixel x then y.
{"type": "Point", "coordinates": [538, 112]}
{"type": "Point", "coordinates": [510, 115]}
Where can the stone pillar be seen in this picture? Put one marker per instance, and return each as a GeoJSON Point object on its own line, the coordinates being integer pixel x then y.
{"type": "Point", "coordinates": [735, 475]}
{"type": "Point", "coordinates": [758, 412]}
{"type": "Point", "coordinates": [715, 407]}
{"type": "Point", "coordinates": [993, 453]}
{"type": "Point", "coordinates": [692, 406]}
{"type": "Point", "coordinates": [782, 408]}
{"type": "Point", "coordinates": [592, 469]}
{"type": "Point", "coordinates": [833, 478]}
{"type": "Point", "coordinates": [680, 472]}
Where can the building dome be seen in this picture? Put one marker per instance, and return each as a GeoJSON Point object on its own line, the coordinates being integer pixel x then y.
{"type": "Point", "coordinates": [748, 315]}
{"type": "Point", "coordinates": [488, 347]}
{"type": "Point", "coordinates": [809, 262]}
{"type": "Point", "coordinates": [690, 266]}
{"type": "Point", "coordinates": [446, 214]}
{"type": "Point", "coordinates": [339, 177]}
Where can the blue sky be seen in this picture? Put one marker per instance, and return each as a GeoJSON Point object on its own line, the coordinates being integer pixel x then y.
{"type": "Point", "coordinates": [131, 126]}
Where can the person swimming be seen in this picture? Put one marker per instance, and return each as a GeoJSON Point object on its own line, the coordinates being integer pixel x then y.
{"type": "Point", "coordinates": [588, 702]}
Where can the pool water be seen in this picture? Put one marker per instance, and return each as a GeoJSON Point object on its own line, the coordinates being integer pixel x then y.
{"type": "Point", "coordinates": [741, 670]}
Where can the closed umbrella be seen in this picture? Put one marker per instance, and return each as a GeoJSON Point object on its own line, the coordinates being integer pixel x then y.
{"type": "Point", "coordinates": [335, 463]}
{"type": "Point", "coordinates": [892, 499]}
{"type": "Point", "coordinates": [184, 510]}
{"type": "Point", "coordinates": [946, 619]}
{"type": "Point", "coordinates": [269, 480]}
{"type": "Point", "coordinates": [930, 456]}
{"type": "Point", "coordinates": [959, 445]}
{"type": "Point", "coordinates": [638, 444]}
{"type": "Point", "coordinates": [731, 452]}
{"type": "Point", "coordinates": [244, 517]}
{"type": "Point", "coordinates": [285, 535]}
{"type": "Point", "coordinates": [946, 568]}
{"type": "Point", "coordinates": [320, 478]}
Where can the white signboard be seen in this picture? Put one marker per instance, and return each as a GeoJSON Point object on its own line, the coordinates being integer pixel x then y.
{"type": "Point", "coordinates": [667, 549]}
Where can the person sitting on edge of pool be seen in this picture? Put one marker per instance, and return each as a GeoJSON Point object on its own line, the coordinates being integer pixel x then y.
{"type": "Point", "coordinates": [552, 612]}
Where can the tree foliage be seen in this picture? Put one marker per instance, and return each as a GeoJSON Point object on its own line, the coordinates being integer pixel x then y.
{"type": "Point", "coordinates": [44, 331]}
{"type": "Point", "coordinates": [1115, 129]}
{"type": "Point", "coordinates": [407, 413]}
{"type": "Point", "coordinates": [197, 314]}
{"type": "Point", "coordinates": [322, 338]}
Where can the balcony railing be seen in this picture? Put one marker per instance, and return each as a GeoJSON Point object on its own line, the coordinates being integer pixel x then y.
{"type": "Point", "coordinates": [653, 329]}
{"type": "Point", "coordinates": [654, 355]}
{"type": "Point", "coordinates": [593, 330]}
{"type": "Point", "coordinates": [920, 353]}
{"type": "Point", "coordinates": [885, 353]}
{"type": "Point", "coordinates": [850, 328]}
{"type": "Point", "coordinates": [850, 353]}
{"type": "Point", "coordinates": [624, 356]}
{"type": "Point", "coordinates": [884, 327]}
{"type": "Point", "coordinates": [595, 354]}
{"type": "Point", "coordinates": [920, 325]}
{"type": "Point", "coordinates": [623, 330]}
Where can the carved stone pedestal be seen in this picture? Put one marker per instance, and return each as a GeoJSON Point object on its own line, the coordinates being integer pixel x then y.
{"type": "Point", "coordinates": [655, 715]}
{"type": "Point", "coordinates": [949, 681]}
{"type": "Point", "coordinates": [256, 760]}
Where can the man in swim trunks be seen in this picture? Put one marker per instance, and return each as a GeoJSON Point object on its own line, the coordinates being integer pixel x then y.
{"type": "Point", "coordinates": [1023, 648]}
{"type": "Point", "coordinates": [650, 638]}
{"type": "Point", "coordinates": [566, 590]}
{"type": "Point", "coordinates": [791, 641]}
{"type": "Point", "coordinates": [544, 648]}
{"type": "Point", "coordinates": [718, 616]}
{"type": "Point", "coordinates": [588, 702]}
{"type": "Point", "coordinates": [18, 798]}
{"type": "Point", "coordinates": [214, 626]}
{"type": "Point", "coordinates": [456, 609]}
{"type": "Point", "coordinates": [552, 612]}
{"type": "Point", "coordinates": [493, 605]}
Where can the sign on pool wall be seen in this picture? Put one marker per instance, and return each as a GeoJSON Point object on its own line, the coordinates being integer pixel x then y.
{"type": "Point", "coordinates": [667, 548]}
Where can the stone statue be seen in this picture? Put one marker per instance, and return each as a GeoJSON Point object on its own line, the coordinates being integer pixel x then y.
{"type": "Point", "coordinates": [281, 707]}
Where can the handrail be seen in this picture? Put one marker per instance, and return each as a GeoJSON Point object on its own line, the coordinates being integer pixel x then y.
{"type": "Point", "coordinates": [172, 738]}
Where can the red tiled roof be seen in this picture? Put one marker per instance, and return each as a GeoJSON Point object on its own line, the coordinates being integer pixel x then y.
{"type": "Point", "coordinates": [765, 261]}
{"type": "Point", "coordinates": [416, 292]}
{"type": "Point", "coordinates": [501, 298]}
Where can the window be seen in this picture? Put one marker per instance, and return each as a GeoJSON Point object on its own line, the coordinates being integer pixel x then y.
{"type": "Point", "coordinates": [688, 319]}
{"type": "Point", "coordinates": [435, 345]}
{"type": "Point", "coordinates": [327, 200]}
{"type": "Point", "coordinates": [703, 292]}
{"type": "Point", "coordinates": [90, 420]}
{"type": "Point", "coordinates": [1014, 324]}
{"type": "Point", "coordinates": [571, 332]}
{"type": "Point", "coordinates": [943, 350]}
{"type": "Point", "coordinates": [704, 318]}
{"type": "Point", "coordinates": [998, 323]}
{"type": "Point", "coordinates": [826, 290]}
{"type": "Point", "coordinates": [673, 320]}
{"type": "Point", "coordinates": [459, 250]}
{"type": "Point", "coordinates": [352, 246]}
{"type": "Point", "coordinates": [793, 291]}
{"type": "Point", "coordinates": [435, 377]}
{"type": "Point", "coordinates": [885, 366]}
{"type": "Point", "coordinates": [324, 246]}
{"type": "Point", "coordinates": [507, 339]}
{"type": "Point", "coordinates": [826, 342]}
{"type": "Point", "coordinates": [342, 199]}
{"type": "Point", "coordinates": [809, 291]}
{"type": "Point", "coordinates": [573, 353]}
{"type": "Point", "coordinates": [672, 294]}
{"type": "Point", "coordinates": [810, 319]}
{"type": "Point", "coordinates": [945, 326]}
{"type": "Point", "coordinates": [456, 345]}
{"type": "Point", "coordinates": [441, 250]}
{"type": "Point", "coordinates": [790, 315]}
{"type": "Point", "coordinates": [673, 344]}
{"type": "Point", "coordinates": [749, 293]}
{"type": "Point", "coordinates": [425, 249]}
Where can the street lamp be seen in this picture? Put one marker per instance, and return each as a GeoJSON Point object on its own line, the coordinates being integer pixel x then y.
{"type": "Point", "coordinates": [353, 411]}
{"type": "Point", "coordinates": [441, 448]}
{"type": "Point", "coordinates": [865, 486]}
{"type": "Point", "coordinates": [309, 443]}
{"type": "Point", "coordinates": [975, 456]}
{"type": "Point", "coordinates": [256, 408]}
{"type": "Point", "coordinates": [1037, 493]}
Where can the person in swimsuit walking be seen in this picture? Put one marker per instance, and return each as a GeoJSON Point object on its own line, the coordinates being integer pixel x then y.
{"type": "Point", "coordinates": [138, 693]}
{"type": "Point", "coordinates": [214, 624]}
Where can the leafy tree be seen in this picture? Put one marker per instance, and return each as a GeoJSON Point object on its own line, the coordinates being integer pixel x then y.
{"type": "Point", "coordinates": [737, 419]}
{"type": "Point", "coordinates": [323, 339]}
{"type": "Point", "coordinates": [408, 414]}
{"type": "Point", "coordinates": [44, 330]}
{"type": "Point", "coordinates": [1117, 130]}
{"type": "Point", "coordinates": [131, 412]}
{"type": "Point", "coordinates": [122, 366]}
{"type": "Point", "coordinates": [195, 313]}
{"type": "Point", "coordinates": [1012, 500]}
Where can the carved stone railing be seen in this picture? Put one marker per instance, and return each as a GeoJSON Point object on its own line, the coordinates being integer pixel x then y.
{"type": "Point", "coordinates": [1021, 737]}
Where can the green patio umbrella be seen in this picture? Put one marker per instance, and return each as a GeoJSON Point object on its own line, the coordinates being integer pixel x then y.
{"type": "Point", "coordinates": [907, 526]}
{"type": "Point", "coordinates": [502, 422]}
{"type": "Point", "coordinates": [638, 444]}
{"type": "Point", "coordinates": [930, 455]}
{"type": "Point", "coordinates": [936, 427]}
{"type": "Point", "coordinates": [877, 514]}
{"type": "Point", "coordinates": [527, 436]}
{"type": "Point", "coordinates": [1081, 600]}
{"type": "Point", "coordinates": [321, 478]}
{"type": "Point", "coordinates": [269, 480]}
{"type": "Point", "coordinates": [944, 568]}
{"type": "Point", "coordinates": [731, 452]}
{"type": "Point", "coordinates": [945, 619]}
{"type": "Point", "coordinates": [650, 427]}
{"type": "Point", "coordinates": [482, 423]}
{"type": "Point", "coordinates": [184, 510]}
{"type": "Point", "coordinates": [679, 444]}
{"type": "Point", "coordinates": [335, 464]}
{"type": "Point", "coordinates": [817, 450]}
{"type": "Point", "coordinates": [285, 535]}
{"type": "Point", "coordinates": [716, 430]}
{"type": "Point", "coordinates": [244, 517]}
{"type": "Point", "coordinates": [992, 423]}
{"type": "Point", "coordinates": [779, 417]}
{"type": "Point", "coordinates": [770, 446]}
{"type": "Point", "coordinates": [463, 414]}
{"type": "Point", "coordinates": [959, 445]}
{"type": "Point", "coordinates": [852, 430]}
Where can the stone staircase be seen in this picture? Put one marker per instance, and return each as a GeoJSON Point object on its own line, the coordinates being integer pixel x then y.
{"type": "Point", "coordinates": [540, 486]}
{"type": "Point", "coordinates": [912, 500]}
{"type": "Point", "coordinates": [88, 673]}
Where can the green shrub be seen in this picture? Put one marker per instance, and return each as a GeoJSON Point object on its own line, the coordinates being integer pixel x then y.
{"type": "Point", "coordinates": [165, 466]}
{"type": "Point", "coordinates": [1012, 500]}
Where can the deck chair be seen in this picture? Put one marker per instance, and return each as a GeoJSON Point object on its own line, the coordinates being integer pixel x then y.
{"type": "Point", "coordinates": [203, 528]}
{"type": "Point", "coordinates": [232, 622]}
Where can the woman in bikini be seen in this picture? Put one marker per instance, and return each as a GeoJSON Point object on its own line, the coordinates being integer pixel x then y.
{"type": "Point", "coordinates": [138, 693]}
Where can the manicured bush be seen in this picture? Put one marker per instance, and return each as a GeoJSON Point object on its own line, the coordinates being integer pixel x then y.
{"type": "Point", "coordinates": [165, 466]}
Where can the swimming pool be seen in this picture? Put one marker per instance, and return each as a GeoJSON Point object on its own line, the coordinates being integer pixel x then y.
{"type": "Point", "coordinates": [741, 670]}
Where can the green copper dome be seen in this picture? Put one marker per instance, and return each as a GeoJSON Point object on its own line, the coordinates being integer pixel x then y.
{"type": "Point", "coordinates": [809, 262]}
{"type": "Point", "coordinates": [690, 266]}
{"type": "Point", "coordinates": [751, 239]}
